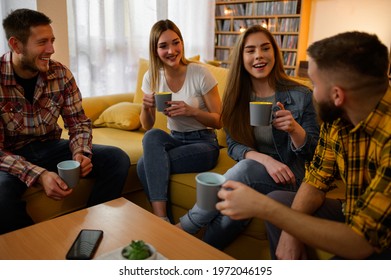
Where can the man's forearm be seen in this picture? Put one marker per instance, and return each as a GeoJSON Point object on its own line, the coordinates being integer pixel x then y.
{"type": "Point", "coordinates": [308, 199]}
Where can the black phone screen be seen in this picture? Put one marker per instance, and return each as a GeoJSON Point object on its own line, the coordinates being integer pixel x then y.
{"type": "Point", "coordinates": [85, 244]}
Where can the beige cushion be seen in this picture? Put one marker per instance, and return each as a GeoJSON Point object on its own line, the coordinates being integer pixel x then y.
{"type": "Point", "coordinates": [123, 115]}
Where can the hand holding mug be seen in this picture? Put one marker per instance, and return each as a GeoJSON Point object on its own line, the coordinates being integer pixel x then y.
{"type": "Point", "coordinates": [69, 171]}
{"type": "Point", "coordinates": [149, 101]}
{"type": "Point", "coordinates": [162, 99]}
{"type": "Point", "coordinates": [283, 119]}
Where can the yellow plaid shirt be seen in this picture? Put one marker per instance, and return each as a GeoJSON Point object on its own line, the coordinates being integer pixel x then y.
{"type": "Point", "coordinates": [361, 156]}
{"type": "Point", "coordinates": [21, 122]}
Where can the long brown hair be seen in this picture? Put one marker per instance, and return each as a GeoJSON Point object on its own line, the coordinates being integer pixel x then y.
{"type": "Point", "coordinates": [237, 95]}
{"type": "Point", "coordinates": [155, 64]}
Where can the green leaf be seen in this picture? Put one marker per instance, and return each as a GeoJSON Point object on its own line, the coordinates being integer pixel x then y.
{"type": "Point", "coordinates": [137, 250]}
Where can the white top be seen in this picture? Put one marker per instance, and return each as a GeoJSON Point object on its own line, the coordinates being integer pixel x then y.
{"type": "Point", "coordinates": [198, 82]}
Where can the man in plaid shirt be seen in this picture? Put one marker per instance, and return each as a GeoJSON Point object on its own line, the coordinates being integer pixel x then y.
{"type": "Point", "coordinates": [351, 87]}
{"type": "Point", "coordinates": [35, 91]}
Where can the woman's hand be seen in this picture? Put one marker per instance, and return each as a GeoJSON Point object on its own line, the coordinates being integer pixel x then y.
{"type": "Point", "coordinates": [179, 108]}
{"type": "Point", "coordinates": [149, 101]}
{"type": "Point", "coordinates": [147, 115]}
{"type": "Point", "coordinates": [280, 172]}
{"type": "Point", "coordinates": [283, 120]}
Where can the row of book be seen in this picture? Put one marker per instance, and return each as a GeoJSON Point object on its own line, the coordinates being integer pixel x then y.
{"type": "Point", "coordinates": [226, 40]}
{"type": "Point", "coordinates": [289, 7]}
{"type": "Point", "coordinates": [230, 10]}
{"type": "Point", "coordinates": [284, 24]}
{"type": "Point", "coordinates": [289, 58]}
{"type": "Point", "coordinates": [273, 8]}
{"type": "Point", "coordinates": [283, 41]}
{"type": "Point", "coordinates": [286, 41]}
{"type": "Point", "coordinates": [221, 55]}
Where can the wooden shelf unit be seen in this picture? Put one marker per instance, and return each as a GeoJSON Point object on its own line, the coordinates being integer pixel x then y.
{"type": "Point", "coordinates": [288, 20]}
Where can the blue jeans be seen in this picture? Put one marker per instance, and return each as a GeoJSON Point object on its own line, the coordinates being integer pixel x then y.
{"type": "Point", "coordinates": [166, 154]}
{"type": "Point", "coordinates": [221, 230]}
{"type": "Point", "coordinates": [110, 169]}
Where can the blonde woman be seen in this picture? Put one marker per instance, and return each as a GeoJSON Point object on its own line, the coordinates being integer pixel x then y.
{"type": "Point", "coordinates": [193, 114]}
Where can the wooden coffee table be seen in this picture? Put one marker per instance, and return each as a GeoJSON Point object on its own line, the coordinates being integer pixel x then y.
{"type": "Point", "coordinates": [121, 221]}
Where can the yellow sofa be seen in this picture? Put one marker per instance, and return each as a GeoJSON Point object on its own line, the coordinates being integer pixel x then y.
{"type": "Point", "coordinates": [251, 244]}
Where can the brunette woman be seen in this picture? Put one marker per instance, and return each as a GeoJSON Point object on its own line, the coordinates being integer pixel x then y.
{"type": "Point", "coordinates": [269, 157]}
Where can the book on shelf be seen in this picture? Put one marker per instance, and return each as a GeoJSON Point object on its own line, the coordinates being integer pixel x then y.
{"type": "Point", "coordinates": [289, 42]}
{"type": "Point", "coordinates": [231, 10]}
{"type": "Point", "coordinates": [289, 58]}
{"type": "Point", "coordinates": [282, 18]}
{"type": "Point", "coordinates": [276, 7]}
{"type": "Point", "coordinates": [288, 24]}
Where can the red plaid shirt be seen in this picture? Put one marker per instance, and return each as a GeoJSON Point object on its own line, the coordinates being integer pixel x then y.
{"type": "Point", "coordinates": [21, 122]}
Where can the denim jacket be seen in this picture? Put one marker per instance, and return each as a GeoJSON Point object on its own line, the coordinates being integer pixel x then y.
{"type": "Point", "coordinates": [299, 102]}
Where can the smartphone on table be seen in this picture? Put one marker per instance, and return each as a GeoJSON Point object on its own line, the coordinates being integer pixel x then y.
{"type": "Point", "coordinates": [85, 244]}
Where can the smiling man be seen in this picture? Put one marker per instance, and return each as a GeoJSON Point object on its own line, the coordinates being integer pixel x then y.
{"type": "Point", "coordinates": [35, 90]}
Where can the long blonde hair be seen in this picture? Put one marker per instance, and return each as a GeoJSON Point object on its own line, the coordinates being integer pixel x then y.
{"type": "Point", "coordinates": [237, 95]}
{"type": "Point", "coordinates": [155, 64]}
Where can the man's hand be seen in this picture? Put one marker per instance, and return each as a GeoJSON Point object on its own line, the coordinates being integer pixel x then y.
{"type": "Point", "coordinates": [238, 200]}
{"type": "Point", "coordinates": [53, 185]}
{"type": "Point", "coordinates": [290, 248]}
{"type": "Point", "coordinates": [85, 164]}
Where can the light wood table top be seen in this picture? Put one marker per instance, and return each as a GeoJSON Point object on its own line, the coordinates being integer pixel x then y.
{"type": "Point", "coordinates": [121, 221]}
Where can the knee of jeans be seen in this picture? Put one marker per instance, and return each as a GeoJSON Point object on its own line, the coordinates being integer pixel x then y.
{"type": "Point", "coordinates": [121, 156]}
{"type": "Point", "coordinates": [243, 169]}
{"type": "Point", "coordinates": [151, 136]}
{"type": "Point", "coordinates": [118, 158]}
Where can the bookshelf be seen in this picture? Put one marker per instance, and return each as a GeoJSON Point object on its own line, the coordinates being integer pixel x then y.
{"type": "Point", "coordinates": [287, 20]}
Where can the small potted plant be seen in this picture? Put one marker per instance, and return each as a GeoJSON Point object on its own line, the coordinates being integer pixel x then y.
{"type": "Point", "coordinates": [139, 250]}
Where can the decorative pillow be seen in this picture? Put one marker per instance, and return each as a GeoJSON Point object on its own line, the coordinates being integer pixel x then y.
{"type": "Point", "coordinates": [123, 115]}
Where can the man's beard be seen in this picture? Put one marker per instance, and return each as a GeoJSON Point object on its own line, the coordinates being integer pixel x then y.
{"type": "Point", "coordinates": [328, 112]}
{"type": "Point", "coordinates": [29, 65]}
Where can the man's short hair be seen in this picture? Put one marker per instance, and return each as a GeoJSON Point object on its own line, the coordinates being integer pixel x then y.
{"type": "Point", "coordinates": [359, 52]}
{"type": "Point", "coordinates": [18, 23]}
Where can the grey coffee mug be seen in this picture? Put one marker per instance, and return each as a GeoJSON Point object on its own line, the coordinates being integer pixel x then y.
{"type": "Point", "coordinates": [260, 113]}
{"type": "Point", "coordinates": [69, 171]}
{"type": "Point", "coordinates": [160, 99]}
{"type": "Point", "coordinates": [208, 185]}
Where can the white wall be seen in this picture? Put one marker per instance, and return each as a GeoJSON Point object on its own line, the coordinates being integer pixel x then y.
{"type": "Point", "coordinates": [330, 17]}
{"type": "Point", "coordinates": [57, 12]}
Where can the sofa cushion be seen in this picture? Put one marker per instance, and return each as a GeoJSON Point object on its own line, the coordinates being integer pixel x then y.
{"type": "Point", "coordinates": [123, 115]}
